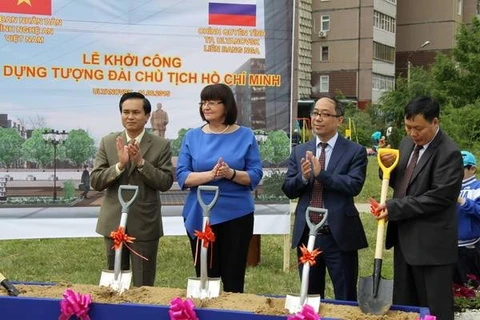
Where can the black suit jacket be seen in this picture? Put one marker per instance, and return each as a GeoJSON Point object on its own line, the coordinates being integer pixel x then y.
{"type": "Point", "coordinates": [343, 179]}
{"type": "Point", "coordinates": [425, 220]}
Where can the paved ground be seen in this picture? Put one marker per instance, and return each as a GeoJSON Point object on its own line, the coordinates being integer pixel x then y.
{"type": "Point", "coordinates": [175, 196]}
{"type": "Point", "coordinates": [172, 197]}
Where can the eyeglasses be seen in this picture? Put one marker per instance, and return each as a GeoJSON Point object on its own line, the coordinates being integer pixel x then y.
{"type": "Point", "coordinates": [210, 103]}
{"type": "Point", "coordinates": [323, 115]}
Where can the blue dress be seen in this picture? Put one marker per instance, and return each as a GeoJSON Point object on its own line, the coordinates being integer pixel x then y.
{"type": "Point", "coordinates": [200, 152]}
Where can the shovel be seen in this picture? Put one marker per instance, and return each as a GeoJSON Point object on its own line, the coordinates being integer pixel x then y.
{"type": "Point", "coordinates": [11, 290]}
{"type": "Point", "coordinates": [375, 293]}
{"type": "Point", "coordinates": [316, 218]}
{"type": "Point", "coordinates": [204, 287]}
{"type": "Point", "coordinates": [119, 280]}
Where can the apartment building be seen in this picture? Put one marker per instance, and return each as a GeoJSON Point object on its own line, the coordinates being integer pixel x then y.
{"type": "Point", "coordinates": [7, 123]}
{"type": "Point", "coordinates": [353, 48]}
{"type": "Point", "coordinates": [427, 27]}
{"type": "Point", "coordinates": [358, 47]}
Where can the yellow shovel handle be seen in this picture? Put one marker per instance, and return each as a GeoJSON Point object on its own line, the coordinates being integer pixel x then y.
{"type": "Point", "coordinates": [387, 170]}
{"type": "Point", "coordinates": [383, 196]}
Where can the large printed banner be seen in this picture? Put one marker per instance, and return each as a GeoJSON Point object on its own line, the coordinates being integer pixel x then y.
{"type": "Point", "coordinates": [68, 62]}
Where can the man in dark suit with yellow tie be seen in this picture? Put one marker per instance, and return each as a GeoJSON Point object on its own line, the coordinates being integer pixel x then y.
{"type": "Point", "coordinates": [422, 214]}
{"type": "Point", "coordinates": [139, 158]}
{"type": "Point", "coordinates": [340, 177]}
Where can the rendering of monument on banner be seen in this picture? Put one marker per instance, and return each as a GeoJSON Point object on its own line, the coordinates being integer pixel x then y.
{"type": "Point", "coordinates": [159, 121]}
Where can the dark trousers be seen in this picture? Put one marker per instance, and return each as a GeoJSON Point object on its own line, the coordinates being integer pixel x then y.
{"type": "Point", "coordinates": [424, 286]}
{"type": "Point", "coordinates": [143, 271]}
{"type": "Point", "coordinates": [468, 263]}
{"type": "Point", "coordinates": [228, 253]}
{"type": "Point", "coordinates": [342, 267]}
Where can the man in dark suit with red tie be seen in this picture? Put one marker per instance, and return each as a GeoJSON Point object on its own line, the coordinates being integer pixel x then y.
{"type": "Point", "coordinates": [328, 172]}
{"type": "Point", "coordinates": [422, 214]}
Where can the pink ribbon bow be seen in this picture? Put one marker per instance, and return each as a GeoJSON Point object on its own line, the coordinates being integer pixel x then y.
{"type": "Point", "coordinates": [428, 317]}
{"type": "Point", "coordinates": [307, 313]}
{"type": "Point", "coordinates": [75, 304]}
{"type": "Point", "coordinates": [182, 310]}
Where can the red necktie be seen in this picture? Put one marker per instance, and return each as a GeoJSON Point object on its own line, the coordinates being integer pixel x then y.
{"type": "Point", "coordinates": [407, 175]}
{"type": "Point", "coordinates": [316, 199]}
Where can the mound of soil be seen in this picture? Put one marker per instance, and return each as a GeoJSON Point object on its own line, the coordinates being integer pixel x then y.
{"type": "Point", "coordinates": [229, 301]}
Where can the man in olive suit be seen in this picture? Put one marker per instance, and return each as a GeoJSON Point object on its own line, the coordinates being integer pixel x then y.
{"type": "Point", "coordinates": [133, 157]}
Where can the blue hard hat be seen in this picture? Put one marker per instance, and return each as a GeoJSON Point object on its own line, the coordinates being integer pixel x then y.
{"type": "Point", "coordinates": [468, 159]}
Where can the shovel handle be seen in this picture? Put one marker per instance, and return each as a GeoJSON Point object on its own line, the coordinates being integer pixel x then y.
{"type": "Point", "coordinates": [206, 207]}
{"type": "Point", "coordinates": [312, 226]}
{"type": "Point", "coordinates": [383, 196]}
{"type": "Point", "coordinates": [126, 204]}
{"type": "Point", "coordinates": [387, 170]}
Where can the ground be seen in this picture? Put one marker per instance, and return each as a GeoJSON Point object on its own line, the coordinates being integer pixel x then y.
{"type": "Point", "coordinates": [229, 301]}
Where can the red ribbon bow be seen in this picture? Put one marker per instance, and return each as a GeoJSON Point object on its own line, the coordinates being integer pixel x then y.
{"type": "Point", "coordinates": [307, 313]}
{"type": "Point", "coordinates": [119, 237]}
{"type": "Point", "coordinates": [206, 237]}
{"type": "Point", "coordinates": [75, 304]}
{"type": "Point", "coordinates": [374, 207]}
{"type": "Point", "coordinates": [182, 310]}
{"type": "Point", "coordinates": [308, 256]}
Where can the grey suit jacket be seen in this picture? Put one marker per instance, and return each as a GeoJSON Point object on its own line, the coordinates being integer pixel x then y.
{"type": "Point", "coordinates": [425, 220]}
{"type": "Point", "coordinates": [144, 220]}
{"type": "Point", "coordinates": [343, 179]}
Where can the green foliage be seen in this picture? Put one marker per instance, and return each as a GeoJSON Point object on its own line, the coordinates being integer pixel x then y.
{"type": "Point", "coordinates": [362, 126]}
{"type": "Point", "coordinates": [272, 186]}
{"type": "Point", "coordinates": [10, 148]}
{"type": "Point", "coordinates": [463, 125]}
{"type": "Point", "coordinates": [276, 148]}
{"type": "Point", "coordinates": [453, 81]}
{"type": "Point", "coordinates": [456, 78]}
{"type": "Point", "coordinates": [35, 150]}
{"type": "Point", "coordinates": [79, 147]}
{"type": "Point", "coordinates": [467, 296]}
{"type": "Point", "coordinates": [462, 303]}
{"type": "Point", "coordinates": [392, 103]}
{"type": "Point", "coordinates": [177, 143]}
{"type": "Point", "coordinates": [68, 190]}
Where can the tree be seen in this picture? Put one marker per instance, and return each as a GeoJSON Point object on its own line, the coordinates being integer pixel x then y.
{"type": "Point", "coordinates": [456, 77]}
{"type": "Point", "coordinates": [35, 150]}
{"type": "Point", "coordinates": [275, 150]}
{"type": "Point", "coordinates": [10, 148]}
{"type": "Point", "coordinates": [35, 122]}
{"type": "Point", "coordinates": [463, 125]}
{"type": "Point", "coordinates": [177, 143]}
{"type": "Point", "coordinates": [79, 147]}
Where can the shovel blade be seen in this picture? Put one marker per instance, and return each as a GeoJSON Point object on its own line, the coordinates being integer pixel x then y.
{"type": "Point", "coordinates": [367, 301]}
{"type": "Point", "coordinates": [211, 289]}
{"type": "Point", "coordinates": [122, 283]}
{"type": "Point", "coordinates": [294, 305]}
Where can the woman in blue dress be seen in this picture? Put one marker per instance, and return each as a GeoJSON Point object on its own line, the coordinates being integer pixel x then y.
{"type": "Point", "coordinates": [224, 154]}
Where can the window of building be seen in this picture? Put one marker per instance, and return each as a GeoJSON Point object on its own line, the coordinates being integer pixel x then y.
{"type": "Point", "coordinates": [382, 82]}
{"type": "Point", "coordinates": [478, 7]}
{"type": "Point", "coordinates": [325, 23]}
{"type": "Point", "coordinates": [324, 83]}
{"type": "Point", "coordinates": [324, 54]}
{"type": "Point", "coordinates": [383, 52]}
{"type": "Point", "coordinates": [459, 7]}
{"type": "Point", "coordinates": [383, 21]}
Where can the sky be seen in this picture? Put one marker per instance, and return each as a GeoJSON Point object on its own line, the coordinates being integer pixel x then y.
{"type": "Point", "coordinates": [169, 28]}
